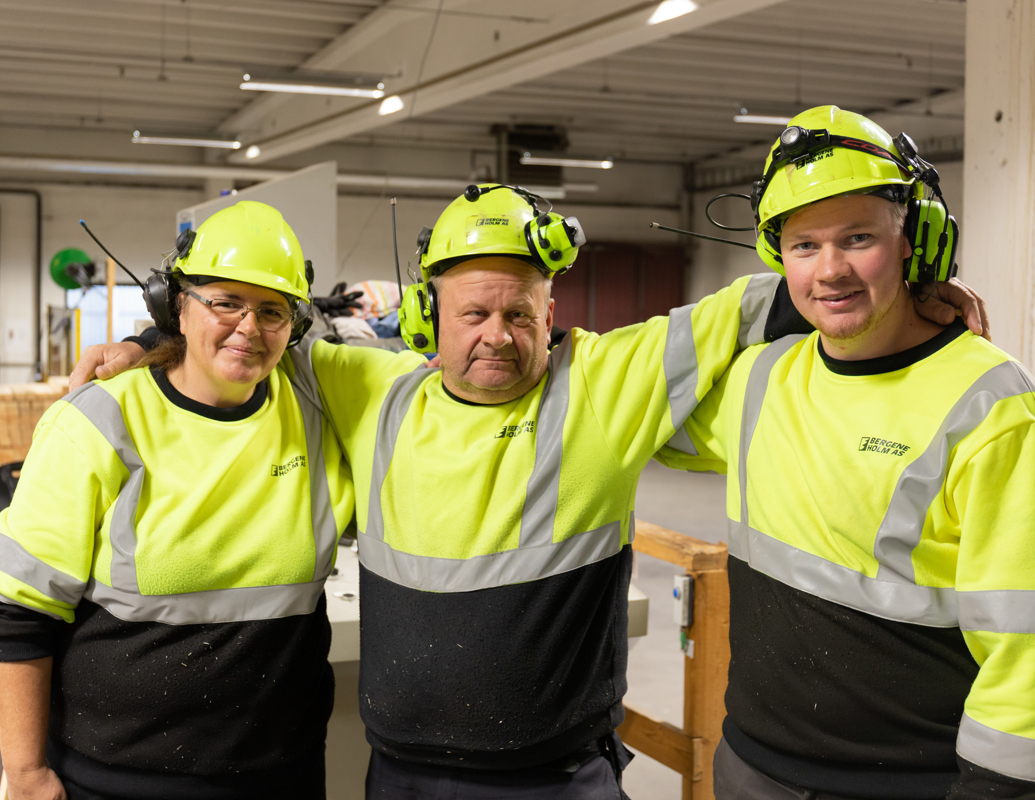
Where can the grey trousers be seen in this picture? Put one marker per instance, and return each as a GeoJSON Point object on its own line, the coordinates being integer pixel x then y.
{"type": "Point", "coordinates": [735, 779]}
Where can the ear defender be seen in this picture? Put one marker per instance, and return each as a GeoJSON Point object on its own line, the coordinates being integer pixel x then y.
{"type": "Point", "coordinates": [767, 245]}
{"type": "Point", "coordinates": [160, 291]}
{"type": "Point", "coordinates": [555, 241]}
{"type": "Point", "coordinates": [304, 311]}
{"type": "Point", "coordinates": [418, 317]}
{"type": "Point", "coordinates": [161, 288]}
{"type": "Point", "coordinates": [933, 239]}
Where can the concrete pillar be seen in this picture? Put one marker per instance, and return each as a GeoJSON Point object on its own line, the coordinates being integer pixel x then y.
{"type": "Point", "coordinates": [998, 228]}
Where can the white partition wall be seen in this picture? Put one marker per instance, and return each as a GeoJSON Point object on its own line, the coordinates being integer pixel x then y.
{"type": "Point", "coordinates": [308, 199]}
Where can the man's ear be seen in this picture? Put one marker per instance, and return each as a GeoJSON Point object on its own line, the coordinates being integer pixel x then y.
{"type": "Point", "coordinates": [906, 248]}
{"type": "Point", "coordinates": [549, 315]}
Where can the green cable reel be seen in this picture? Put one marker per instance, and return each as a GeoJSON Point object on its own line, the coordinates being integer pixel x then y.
{"type": "Point", "coordinates": [70, 263]}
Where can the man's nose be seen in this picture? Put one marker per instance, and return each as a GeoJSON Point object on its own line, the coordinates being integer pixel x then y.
{"type": "Point", "coordinates": [496, 332]}
{"type": "Point", "coordinates": [832, 264]}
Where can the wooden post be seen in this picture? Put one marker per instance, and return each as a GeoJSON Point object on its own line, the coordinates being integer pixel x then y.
{"type": "Point", "coordinates": [705, 676]}
{"type": "Point", "coordinates": [689, 751]}
{"type": "Point", "coordinates": [111, 298]}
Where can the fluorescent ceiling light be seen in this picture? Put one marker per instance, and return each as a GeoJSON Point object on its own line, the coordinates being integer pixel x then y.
{"type": "Point", "coordinates": [670, 9]}
{"type": "Point", "coordinates": [761, 119]}
{"type": "Point", "coordinates": [314, 82]}
{"type": "Point", "coordinates": [311, 88]}
{"type": "Point", "coordinates": [252, 152]}
{"type": "Point", "coordinates": [188, 141]}
{"type": "Point", "coordinates": [548, 161]}
{"type": "Point", "coordinates": [391, 105]}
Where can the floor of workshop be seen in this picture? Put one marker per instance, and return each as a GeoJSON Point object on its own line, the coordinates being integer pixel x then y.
{"type": "Point", "coordinates": [691, 504]}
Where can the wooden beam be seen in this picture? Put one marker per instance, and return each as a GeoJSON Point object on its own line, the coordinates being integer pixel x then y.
{"type": "Point", "coordinates": [660, 740]}
{"type": "Point", "coordinates": [691, 554]}
{"type": "Point", "coordinates": [111, 298]}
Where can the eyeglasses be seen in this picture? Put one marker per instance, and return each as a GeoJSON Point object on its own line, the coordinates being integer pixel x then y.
{"type": "Point", "coordinates": [269, 318]}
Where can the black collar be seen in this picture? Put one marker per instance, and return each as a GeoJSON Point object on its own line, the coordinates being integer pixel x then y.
{"type": "Point", "coordinates": [470, 402]}
{"type": "Point", "coordinates": [235, 414]}
{"type": "Point", "coordinates": [896, 361]}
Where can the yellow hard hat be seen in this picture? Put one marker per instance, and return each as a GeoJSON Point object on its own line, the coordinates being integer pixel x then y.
{"type": "Point", "coordinates": [825, 152]}
{"type": "Point", "coordinates": [248, 242]}
{"type": "Point", "coordinates": [499, 220]}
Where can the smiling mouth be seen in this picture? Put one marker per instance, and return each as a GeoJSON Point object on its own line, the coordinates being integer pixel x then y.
{"type": "Point", "coordinates": [834, 298]}
{"type": "Point", "coordinates": [247, 352]}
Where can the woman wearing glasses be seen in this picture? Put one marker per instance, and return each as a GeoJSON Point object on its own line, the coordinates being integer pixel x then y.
{"type": "Point", "coordinates": [162, 562]}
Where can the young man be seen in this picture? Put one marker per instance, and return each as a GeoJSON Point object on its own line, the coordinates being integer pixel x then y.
{"type": "Point", "coordinates": [881, 528]}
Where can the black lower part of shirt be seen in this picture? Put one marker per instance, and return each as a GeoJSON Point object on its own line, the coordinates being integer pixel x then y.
{"type": "Point", "coordinates": [304, 779]}
{"type": "Point", "coordinates": [865, 783]}
{"type": "Point", "coordinates": [202, 700]}
{"type": "Point", "coordinates": [815, 682]}
{"type": "Point", "coordinates": [503, 678]}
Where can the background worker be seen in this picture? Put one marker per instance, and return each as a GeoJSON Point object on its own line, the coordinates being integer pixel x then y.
{"type": "Point", "coordinates": [881, 527]}
{"type": "Point", "coordinates": [495, 505]}
{"type": "Point", "coordinates": [163, 559]}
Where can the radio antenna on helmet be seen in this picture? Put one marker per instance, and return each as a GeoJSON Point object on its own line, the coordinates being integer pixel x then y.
{"type": "Point", "coordinates": [395, 244]}
{"type": "Point", "coordinates": [105, 249]}
{"type": "Point", "coordinates": [701, 236]}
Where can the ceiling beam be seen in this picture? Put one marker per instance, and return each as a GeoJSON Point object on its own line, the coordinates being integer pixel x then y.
{"type": "Point", "coordinates": [467, 73]}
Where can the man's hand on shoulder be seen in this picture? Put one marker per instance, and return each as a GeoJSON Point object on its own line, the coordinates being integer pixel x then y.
{"type": "Point", "coordinates": [104, 361]}
{"type": "Point", "coordinates": [938, 302]}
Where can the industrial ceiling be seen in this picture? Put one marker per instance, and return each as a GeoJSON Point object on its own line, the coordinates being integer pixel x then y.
{"type": "Point", "coordinates": [76, 79]}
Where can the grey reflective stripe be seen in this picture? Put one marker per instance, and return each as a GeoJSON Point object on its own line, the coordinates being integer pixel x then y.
{"type": "Point", "coordinates": [543, 486]}
{"type": "Point", "coordinates": [396, 403]}
{"type": "Point", "coordinates": [902, 602]}
{"type": "Point", "coordinates": [682, 442]}
{"type": "Point", "coordinates": [1005, 753]}
{"type": "Point", "coordinates": [680, 365]}
{"type": "Point", "coordinates": [105, 413]}
{"type": "Point", "coordinates": [997, 611]}
{"type": "Point", "coordinates": [325, 528]}
{"type": "Point", "coordinates": [755, 305]}
{"type": "Point", "coordinates": [523, 565]}
{"type": "Point", "coordinates": [923, 479]}
{"type": "Point", "coordinates": [754, 395]}
{"type": "Point", "coordinates": [19, 563]}
{"type": "Point", "coordinates": [219, 605]}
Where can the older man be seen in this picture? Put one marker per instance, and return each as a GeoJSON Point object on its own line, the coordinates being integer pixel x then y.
{"type": "Point", "coordinates": [882, 537]}
{"type": "Point", "coordinates": [495, 505]}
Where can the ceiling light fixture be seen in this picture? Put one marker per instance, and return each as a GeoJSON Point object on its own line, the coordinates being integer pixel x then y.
{"type": "Point", "coordinates": [252, 152]}
{"type": "Point", "coordinates": [761, 119]}
{"type": "Point", "coordinates": [315, 83]}
{"type": "Point", "coordinates": [187, 141]}
{"type": "Point", "coordinates": [670, 9]}
{"type": "Point", "coordinates": [390, 105]}
{"type": "Point", "coordinates": [549, 161]}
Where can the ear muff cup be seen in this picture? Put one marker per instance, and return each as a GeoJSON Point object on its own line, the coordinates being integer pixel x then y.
{"type": "Point", "coordinates": [418, 317]}
{"type": "Point", "coordinates": [767, 245]}
{"type": "Point", "coordinates": [160, 292]}
{"type": "Point", "coordinates": [925, 222]}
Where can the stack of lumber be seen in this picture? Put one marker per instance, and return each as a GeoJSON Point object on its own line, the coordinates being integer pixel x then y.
{"type": "Point", "coordinates": [21, 406]}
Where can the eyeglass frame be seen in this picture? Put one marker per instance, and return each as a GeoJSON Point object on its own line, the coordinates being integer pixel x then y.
{"type": "Point", "coordinates": [258, 322]}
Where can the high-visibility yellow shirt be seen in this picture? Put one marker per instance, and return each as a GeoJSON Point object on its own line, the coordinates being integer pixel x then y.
{"type": "Point", "coordinates": [493, 539]}
{"type": "Point", "coordinates": [893, 496]}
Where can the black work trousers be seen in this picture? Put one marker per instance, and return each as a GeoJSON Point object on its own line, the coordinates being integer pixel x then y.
{"type": "Point", "coordinates": [597, 777]}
